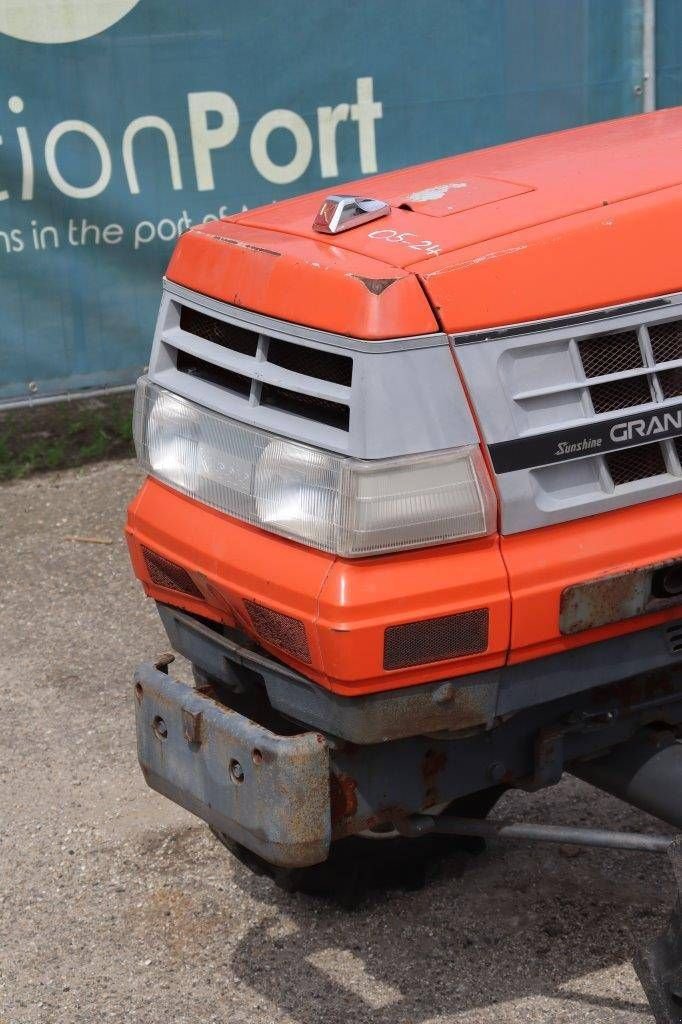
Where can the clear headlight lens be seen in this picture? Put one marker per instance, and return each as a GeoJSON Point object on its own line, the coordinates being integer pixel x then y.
{"type": "Point", "coordinates": [350, 507]}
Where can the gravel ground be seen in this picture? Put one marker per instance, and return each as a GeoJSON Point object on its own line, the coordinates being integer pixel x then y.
{"type": "Point", "coordinates": [115, 905]}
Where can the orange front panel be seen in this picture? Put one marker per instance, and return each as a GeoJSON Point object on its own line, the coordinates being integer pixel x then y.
{"type": "Point", "coordinates": [361, 598]}
{"type": "Point", "coordinates": [542, 563]}
{"type": "Point", "coordinates": [344, 606]}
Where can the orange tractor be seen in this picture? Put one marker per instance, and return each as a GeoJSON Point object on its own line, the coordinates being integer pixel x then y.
{"type": "Point", "coordinates": [413, 508]}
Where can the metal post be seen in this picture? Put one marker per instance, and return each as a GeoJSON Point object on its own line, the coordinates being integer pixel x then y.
{"type": "Point", "coordinates": [648, 55]}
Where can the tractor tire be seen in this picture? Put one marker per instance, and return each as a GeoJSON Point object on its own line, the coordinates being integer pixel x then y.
{"type": "Point", "coordinates": [356, 865]}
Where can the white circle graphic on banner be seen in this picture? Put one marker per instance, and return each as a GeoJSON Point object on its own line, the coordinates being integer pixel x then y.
{"type": "Point", "coordinates": [60, 21]}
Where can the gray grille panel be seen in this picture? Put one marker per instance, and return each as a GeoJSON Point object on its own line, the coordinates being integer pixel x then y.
{"type": "Point", "coordinates": [371, 400]}
{"type": "Point", "coordinates": [532, 387]}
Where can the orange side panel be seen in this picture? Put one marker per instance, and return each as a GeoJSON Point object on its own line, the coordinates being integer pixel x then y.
{"type": "Point", "coordinates": [301, 280]}
{"type": "Point", "coordinates": [624, 252]}
{"type": "Point", "coordinates": [542, 563]}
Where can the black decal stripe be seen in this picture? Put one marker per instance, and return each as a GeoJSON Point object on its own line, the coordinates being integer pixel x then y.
{"type": "Point", "coordinates": [544, 449]}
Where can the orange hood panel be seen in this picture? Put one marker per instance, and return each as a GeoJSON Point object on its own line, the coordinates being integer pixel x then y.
{"type": "Point", "coordinates": [305, 281]}
{"type": "Point", "coordinates": [529, 230]}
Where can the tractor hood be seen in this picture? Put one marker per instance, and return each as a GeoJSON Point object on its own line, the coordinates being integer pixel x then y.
{"type": "Point", "coordinates": [546, 227]}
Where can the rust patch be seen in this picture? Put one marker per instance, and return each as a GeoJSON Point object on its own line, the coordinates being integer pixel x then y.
{"type": "Point", "coordinates": [343, 796]}
{"type": "Point", "coordinates": [433, 764]}
{"type": "Point", "coordinates": [616, 598]}
{"type": "Point", "coordinates": [375, 285]}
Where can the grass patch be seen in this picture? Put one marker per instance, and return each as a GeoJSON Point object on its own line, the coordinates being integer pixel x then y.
{"type": "Point", "coordinates": [65, 434]}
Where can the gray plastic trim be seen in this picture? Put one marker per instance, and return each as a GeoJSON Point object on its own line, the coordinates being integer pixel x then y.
{"type": "Point", "coordinates": [532, 385]}
{"type": "Point", "coordinates": [409, 402]}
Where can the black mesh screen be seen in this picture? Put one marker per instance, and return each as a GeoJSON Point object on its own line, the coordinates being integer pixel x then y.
{"type": "Point", "coordinates": [213, 374]}
{"type": "Point", "coordinates": [313, 362]}
{"type": "Point", "coordinates": [636, 463]}
{"type": "Point", "coordinates": [610, 353]}
{"type": "Point", "coordinates": [239, 339]}
{"type": "Point", "coordinates": [165, 573]}
{"type": "Point", "coordinates": [283, 631]}
{"type": "Point", "coordinates": [309, 406]}
{"type": "Point", "coordinates": [666, 341]}
{"type": "Point", "coordinates": [453, 636]}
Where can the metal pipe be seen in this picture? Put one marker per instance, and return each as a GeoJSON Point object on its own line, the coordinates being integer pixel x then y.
{"type": "Point", "coordinates": [576, 836]}
{"type": "Point", "coordinates": [645, 772]}
{"type": "Point", "coordinates": [69, 396]}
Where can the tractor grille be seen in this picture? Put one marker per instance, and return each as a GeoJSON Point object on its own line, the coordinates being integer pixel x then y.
{"type": "Point", "coordinates": [295, 379]}
{"type": "Point", "coordinates": [545, 389]}
{"type": "Point", "coordinates": [636, 352]}
{"type": "Point", "coordinates": [452, 636]}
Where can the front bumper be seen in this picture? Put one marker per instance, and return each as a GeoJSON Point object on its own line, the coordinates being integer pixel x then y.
{"type": "Point", "coordinates": [287, 797]}
{"type": "Point", "coordinates": [268, 792]}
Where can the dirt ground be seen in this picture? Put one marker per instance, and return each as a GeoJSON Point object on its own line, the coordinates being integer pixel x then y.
{"type": "Point", "coordinates": [115, 905]}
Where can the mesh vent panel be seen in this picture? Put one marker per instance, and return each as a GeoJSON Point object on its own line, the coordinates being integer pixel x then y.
{"type": "Point", "coordinates": [239, 339]}
{"type": "Point", "coordinates": [280, 630]}
{"type": "Point", "coordinates": [165, 573]}
{"type": "Point", "coordinates": [636, 463]}
{"type": "Point", "coordinates": [666, 341]}
{"type": "Point", "coordinates": [620, 394]}
{"type": "Point", "coordinates": [453, 636]}
{"type": "Point", "coordinates": [313, 362]}
{"type": "Point", "coordinates": [610, 353]}
{"type": "Point", "coordinates": [671, 382]}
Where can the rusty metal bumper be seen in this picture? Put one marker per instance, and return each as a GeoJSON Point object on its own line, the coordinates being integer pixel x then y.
{"type": "Point", "coordinates": [268, 792]}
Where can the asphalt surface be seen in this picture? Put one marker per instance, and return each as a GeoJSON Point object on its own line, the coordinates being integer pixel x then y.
{"type": "Point", "coordinates": [115, 905]}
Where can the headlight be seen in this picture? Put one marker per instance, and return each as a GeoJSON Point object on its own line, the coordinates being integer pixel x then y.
{"type": "Point", "coordinates": [350, 507]}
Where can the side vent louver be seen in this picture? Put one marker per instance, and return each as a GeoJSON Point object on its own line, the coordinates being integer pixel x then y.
{"type": "Point", "coordinates": [298, 380]}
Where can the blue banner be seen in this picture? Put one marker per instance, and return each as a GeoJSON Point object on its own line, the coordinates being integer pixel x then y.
{"type": "Point", "coordinates": [123, 122]}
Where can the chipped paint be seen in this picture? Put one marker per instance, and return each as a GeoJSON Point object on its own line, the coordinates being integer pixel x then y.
{"type": "Point", "coordinates": [429, 195]}
{"type": "Point", "coordinates": [245, 245]}
{"type": "Point", "coordinates": [375, 285]}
